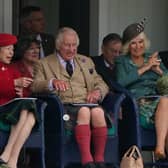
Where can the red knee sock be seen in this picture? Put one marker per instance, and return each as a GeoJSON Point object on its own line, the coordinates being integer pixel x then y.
{"type": "Point", "coordinates": [99, 137]}
{"type": "Point", "coordinates": [83, 136]}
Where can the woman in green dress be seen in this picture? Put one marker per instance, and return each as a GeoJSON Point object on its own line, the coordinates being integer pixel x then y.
{"type": "Point", "coordinates": [138, 71]}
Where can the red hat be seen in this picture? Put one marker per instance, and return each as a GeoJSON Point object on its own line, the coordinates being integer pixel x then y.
{"type": "Point", "coordinates": [7, 39]}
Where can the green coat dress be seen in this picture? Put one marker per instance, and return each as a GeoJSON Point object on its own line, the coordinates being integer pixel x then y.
{"type": "Point", "coordinates": [139, 86]}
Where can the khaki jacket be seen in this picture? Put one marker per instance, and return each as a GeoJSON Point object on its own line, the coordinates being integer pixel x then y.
{"type": "Point", "coordinates": [49, 68]}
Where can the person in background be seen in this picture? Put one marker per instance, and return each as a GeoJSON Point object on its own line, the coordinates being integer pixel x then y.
{"type": "Point", "coordinates": [26, 55]}
{"type": "Point", "coordinates": [19, 118]}
{"type": "Point", "coordinates": [104, 64]}
{"type": "Point", "coordinates": [32, 21]}
{"type": "Point", "coordinates": [137, 70]}
{"type": "Point", "coordinates": [73, 78]}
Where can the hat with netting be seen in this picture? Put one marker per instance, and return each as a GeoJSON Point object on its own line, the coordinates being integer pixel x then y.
{"type": "Point", "coordinates": [133, 30]}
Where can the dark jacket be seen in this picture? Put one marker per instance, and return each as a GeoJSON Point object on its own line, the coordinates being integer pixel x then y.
{"type": "Point", "coordinates": [108, 75]}
{"type": "Point", "coordinates": [48, 43]}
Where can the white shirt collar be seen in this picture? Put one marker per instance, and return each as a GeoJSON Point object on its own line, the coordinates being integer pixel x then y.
{"type": "Point", "coordinates": [106, 63]}
{"type": "Point", "coordinates": [63, 62]}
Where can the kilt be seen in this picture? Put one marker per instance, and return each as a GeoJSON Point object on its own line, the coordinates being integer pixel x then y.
{"type": "Point", "coordinates": [72, 112]}
{"type": "Point", "coordinates": [10, 112]}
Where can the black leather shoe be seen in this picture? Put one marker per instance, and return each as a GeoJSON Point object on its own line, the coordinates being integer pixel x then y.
{"type": "Point", "coordinates": [100, 165]}
{"type": "Point", "coordinates": [89, 165]}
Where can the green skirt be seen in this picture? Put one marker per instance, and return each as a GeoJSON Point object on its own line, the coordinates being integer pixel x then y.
{"type": "Point", "coordinates": [10, 113]}
{"type": "Point", "coordinates": [147, 108]}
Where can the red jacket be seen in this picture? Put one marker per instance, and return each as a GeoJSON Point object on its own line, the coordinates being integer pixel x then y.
{"type": "Point", "coordinates": [20, 66]}
{"type": "Point", "coordinates": [7, 76]}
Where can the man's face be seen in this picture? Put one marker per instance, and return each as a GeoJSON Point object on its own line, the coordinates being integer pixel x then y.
{"type": "Point", "coordinates": [111, 50]}
{"type": "Point", "coordinates": [37, 22]}
{"type": "Point", "coordinates": [68, 47]}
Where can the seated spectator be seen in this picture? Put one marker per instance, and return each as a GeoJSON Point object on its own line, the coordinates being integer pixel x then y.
{"type": "Point", "coordinates": [33, 22]}
{"type": "Point", "coordinates": [137, 70]}
{"type": "Point", "coordinates": [26, 55]}
{"type": "Point", "coordinates": [104, 64]}
{"type": "Point", "coordinates": [19, 119]}
{"type": "Point", "coordinates": [73, 78]}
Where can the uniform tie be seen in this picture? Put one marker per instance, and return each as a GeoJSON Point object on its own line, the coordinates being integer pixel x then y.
{"type": "Point", "coordinates": [69, 68]}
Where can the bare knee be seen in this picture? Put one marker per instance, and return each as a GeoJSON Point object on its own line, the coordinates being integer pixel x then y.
{"type": "Point", "coordinates": [23, 117]}
{"type": "Point", "coordinates": [97, 117]}
{"type": "Point", "coordinates": [31, 119]}
{"type": "Point", "coordinates": [163, 101]}
{"type": "Point", "coordinates": [162, 105]}
{"type": "Point", "coordinates": [83, 116]}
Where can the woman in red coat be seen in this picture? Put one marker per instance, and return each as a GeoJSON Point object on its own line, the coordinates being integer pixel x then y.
{"type": "Point", "coordinates": [26, 55]}
{"type": "Point", "coordinates": [19, 117]}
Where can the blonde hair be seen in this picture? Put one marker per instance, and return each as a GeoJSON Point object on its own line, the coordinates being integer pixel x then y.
{"type": "Point", "coordinates": [125, 47]}
{"type": "Point", "coordinates": [60, 35]}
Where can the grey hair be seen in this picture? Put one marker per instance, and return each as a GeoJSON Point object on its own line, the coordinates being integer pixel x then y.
{"type": "Point", "coordinates": [125, 47]}
{"type": "Point", "coordinates": [60, 35]}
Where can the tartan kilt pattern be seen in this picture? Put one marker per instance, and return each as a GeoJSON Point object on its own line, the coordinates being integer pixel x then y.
{"type": "Point", "coordinates": [10, 113]}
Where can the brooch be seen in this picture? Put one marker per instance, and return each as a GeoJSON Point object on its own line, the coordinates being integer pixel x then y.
{"type": "Point", "coordinates": [91, 70]}
{"type": "Point", "coordinates": [83, 60]}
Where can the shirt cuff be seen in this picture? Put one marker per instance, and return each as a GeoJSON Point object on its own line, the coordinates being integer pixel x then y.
{"type": "Point", "coordinates": [50, 85]}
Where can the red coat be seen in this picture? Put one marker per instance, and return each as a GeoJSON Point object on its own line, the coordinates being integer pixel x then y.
{"type": "Point", "coordinates": [7, 76]}
{"type": "Point", "coordinates": [20, 66]}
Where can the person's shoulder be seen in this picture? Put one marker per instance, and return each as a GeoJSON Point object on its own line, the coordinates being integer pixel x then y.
{"type": "Point", "coordinates": [48, 58]}
{"type": "Point", "coordinates": [82, 57]}
{"type": "Point", "coordinates": [121, 58]}
{"type": "Point", "coordinates": [46, 35]}
{"type": "Point", "coordinates": [97, 58]}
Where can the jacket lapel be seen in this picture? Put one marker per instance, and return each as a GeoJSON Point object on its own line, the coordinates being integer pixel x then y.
{"type": "Point", "coordinates": [55, 66]}
{"type": "Point", "coordinates": [84, 69]}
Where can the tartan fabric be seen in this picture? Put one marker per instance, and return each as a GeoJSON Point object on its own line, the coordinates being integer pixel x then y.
{"type": "Point", "coordinates": [9, 113]}
{"type": "Point", "coordinates": [69, 125]}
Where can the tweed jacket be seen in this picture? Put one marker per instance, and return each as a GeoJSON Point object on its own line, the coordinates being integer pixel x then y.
{"type": "Point", "coordinates": [49, 68]}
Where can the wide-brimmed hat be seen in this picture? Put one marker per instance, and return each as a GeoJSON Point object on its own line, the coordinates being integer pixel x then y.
{"type": "Point", "coordinates": [7, 39]}
{"type": "Point", "coordinates": [132, 31]}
